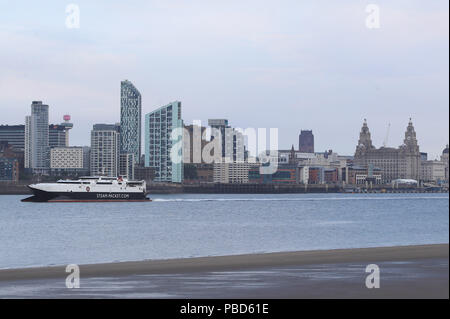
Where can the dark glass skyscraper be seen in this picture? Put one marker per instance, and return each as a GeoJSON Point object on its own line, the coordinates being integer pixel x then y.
{"type": "Point", "coordinates": [130, 120]}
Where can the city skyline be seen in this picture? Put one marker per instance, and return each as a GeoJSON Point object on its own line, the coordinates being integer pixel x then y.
{"type": "Point", "coordinates": [383, 143]}
{"type": "Point", "coordinates": [282, 72]}
{"type": "Point", "coordinates": [223, 156]}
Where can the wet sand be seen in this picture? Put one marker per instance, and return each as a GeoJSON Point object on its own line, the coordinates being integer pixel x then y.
{"type": "Point", "coordinates": [406, 272]}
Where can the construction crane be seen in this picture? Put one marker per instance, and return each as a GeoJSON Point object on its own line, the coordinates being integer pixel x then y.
{"type": "Point", "coordinates": [387, 135]}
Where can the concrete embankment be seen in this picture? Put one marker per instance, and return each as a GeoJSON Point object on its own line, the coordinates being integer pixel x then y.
{"type": "Point", "coordinates": [7, 188]}
{"type": "Point", "coordinates": [259, 188]}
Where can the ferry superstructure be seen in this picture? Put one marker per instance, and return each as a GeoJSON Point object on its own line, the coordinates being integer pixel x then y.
{"type": "Point", "coordinates": [90, 188]}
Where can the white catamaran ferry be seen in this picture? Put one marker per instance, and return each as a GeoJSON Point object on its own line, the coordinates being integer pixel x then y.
{"type": "Point", "coordinates": [91, 188]}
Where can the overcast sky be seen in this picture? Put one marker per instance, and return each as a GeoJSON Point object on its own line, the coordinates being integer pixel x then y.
{"type": "Point", "coordinates": [287, 64]}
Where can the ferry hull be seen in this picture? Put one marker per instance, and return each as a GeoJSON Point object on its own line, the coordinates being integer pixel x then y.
{"type": "Point", "coordinates": [43, 196]}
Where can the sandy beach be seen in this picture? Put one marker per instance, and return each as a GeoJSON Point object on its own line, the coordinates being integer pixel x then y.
{"type": "Point", "coordinates": [236, 262]}
{"type": "Point", "coordinates": [407, 272]}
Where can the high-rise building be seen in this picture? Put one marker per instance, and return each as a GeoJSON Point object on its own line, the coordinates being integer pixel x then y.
{"type": "Point", "coordinates": [306, 141]}
{"type": "Point", "coordinates": [126, 165]}
{"type": "Point", "coordinates": [193, 144]}
{"type": "Point", "coordinates": [14, 135]}
{"type": "Point", "coordinates": [57, 136]}
{"type": "Point", "coordinates": [164, 130]}
{"type": "Point", "coordinates": [27, 142]}
{"type": "Point", "coordinates": [105, 139]}
{"type": "Point", "coordinates": [130, 120]}
{"type": "Point", "coordinates": [86, 158]}
{"type": "Point", "coordinates": [40, 150]}
{"type": "Point", "coordinates": [20, 136]}
{"type": "Point", "coordinates": [402, 162]}
{"type": "Point", "coordinates": [220, 125]}
{"type": "Point", "coordinates": [444, 158]}
{"type": "Point", "coordinates": [233, 148]}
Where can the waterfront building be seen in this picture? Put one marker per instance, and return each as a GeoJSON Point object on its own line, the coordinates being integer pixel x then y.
{"type": "Point", "coordinates": [220, 125]}
{"type": "Point", "coordinates": [14, 135]}
{"type": "Point", "coordinates": [316, 175]}
{"type": "Point", "coordinates": [130, 120]}
{"type": "Point", "coordinates": [7, 150]}
{"type": "Point", "coordinates": [432, 171]}
{"type": "Point", "coordinates": [205, 173]}
{"type": "Point", "coordinates": [232, 141]}
{"type": "Point", "coordinates": [306, 141]}
{"type": "Point", "coordinates": [285, 174]}
{"type": "Point", "coordinates": [144, 173]}
{"type": "Point", "coordinates": [327, 160]}
{"type": "Point", "coordinates": [360, 175]}
{"type": "Point", "coordinates": [20, 137]}
{"type": "Point", "coordinates": [105, 139]}
{"type": "Point", "coordinates": [331, 175]}
{"type": "Point", "coordinates": [9, 169]}
{"type": "Point", "coordinates": [163, 131]}
{"type": "Point", "coordinates": [193, 144]}
{"type": "Point", "coordinates": [68, 160]}
{"type": "Point", "coordinates": [198, 173]}
{"type": "Point", "coordinates": [287, 156]}
{"type": "Point", "coordinates": [234, 146]}
{"type": "Point", "coordinates": [11, 162]}
{"type": "Point", "coordinates": [126, 165]}
{"type": "Point", "coordinates": [303, 174]}
{"type": "Point", "coordinates": [27, 142]}
{"type": "Point", "coordinates": [86, 159]}
{"type": "Point", "coordinates": [402, 162]}
{"type": "Point", "coordinates": [232, 173]}
{"type": "Point", "coordinates": [57, 136]}
{"type": "Point", "coordinates": [444, 159]}
{"type": "Point", "coordinates": [39, 144]}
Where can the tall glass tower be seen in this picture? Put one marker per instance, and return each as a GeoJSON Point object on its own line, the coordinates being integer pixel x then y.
{"type": "Point", "coordinates": [130, 120]}
{"type": "Point", "coordinates": [160, 137]}
{"type": "Point", "coordinates": [40, 151]}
